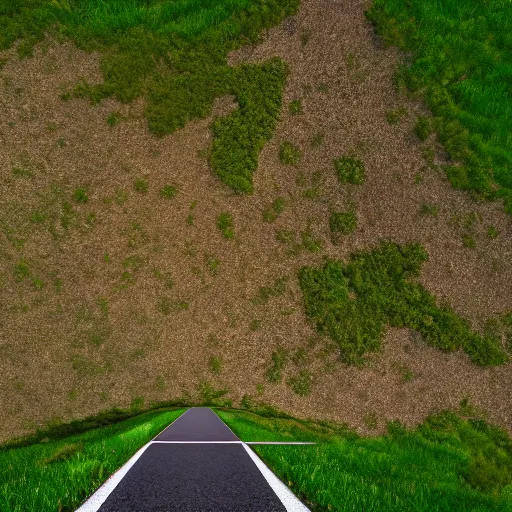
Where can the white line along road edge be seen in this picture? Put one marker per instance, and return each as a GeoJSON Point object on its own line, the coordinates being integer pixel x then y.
{"type": "Point", "coordinates": [99, 497]}
{"type": "Point", "coordinates": [94, 502]}
{"type": "Point", "coordinates": [288, 499]}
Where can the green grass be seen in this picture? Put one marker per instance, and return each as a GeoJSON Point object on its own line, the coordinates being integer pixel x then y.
{"type": "Point", "coordinates": [295, 107]}
{"type": "Point", "coordinates": [225, 225]}
{"type": "Point", "coordinates": [279, 358]}
{"type": "Point", "coordinates": [461, 65]}
{"type": "Point", "coordinates": [343, 222]}
{"type": "Point", "coordinates": [272, 212]}
{"type": "Point", "coordinates": [448, 463]}
{"type": "Point", "coordinates": [141, 185]}
{"type": "Point", "coordinates": [289, 154]}
{"type": "Point", "coordinates": [168, 191]}
{"type": "Point", "coordinates": [57, 474]}
{"type": "Point", "coordinates": [350, 170]}
{"type": "Point", "coordinates": [353, 303]}
{"type": "Point", "coordinates": [174, 54]}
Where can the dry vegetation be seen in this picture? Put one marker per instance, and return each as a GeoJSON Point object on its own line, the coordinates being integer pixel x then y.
{"type": "Point", "coordinates": [118, 280]}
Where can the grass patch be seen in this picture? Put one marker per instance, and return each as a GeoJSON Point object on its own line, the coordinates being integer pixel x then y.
{"type": "Point", "coordinates": [353, 302]}
{"type": "Point", "coordinates": [350, 170]}
{"type": "Point", "coordinates": [295, 107]}
{"type": "Point", "coordinates": [427, 209]}
{"type": "Point", "coordinates": [21, 172]}
{"type": "Point", "coordinates": [289, 154]}
{"type": "Point", "coordinates": [80, 195]}
{"type": "Point", "coordinates": [168, 191]}
{"type": "Point", "coordinates": [114, 119]}
{"type": "Point", "coordinates": [460, 65]}
{"type": "Point", "coordinates": [225, 225]}
{"type": "Point", "coordinates": [343, 222]}
{"type": "Point", "coordinates": [141, 185]}
{"type": "Point", "coordinates": [215, 365]}
{"type": "Point", "coordinates": [439, 466]}
{"type": "Point", "coordinates": [174, 54]}
{"type": "Point", "coordinates": [59, 473]}
{"type": "Point", "coordinates": [273, 373]}
{"type": "Point", "coordinates": [265, 293]}
{"type": "Point", "coordinates": [301, 383]}
{"type": "Point", "coordinates": [272, 212]}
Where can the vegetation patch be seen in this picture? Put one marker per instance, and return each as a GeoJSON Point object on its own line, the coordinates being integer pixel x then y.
{"type": "Point", "coordinates": [461, 58]}
{"type": "Point", "coordinates": [225, 225]}
{"type": "Point", "coordinates": [352, 303]}
{"type": "Point", "coordinates": [289, 154]}
{"type": "Point", "coordinates": [173, 53]}
{"type": "Point", "coordinates": [274, 372]}
{"type": "Point", "coordinates": [272, 212]}
{"type": "Point", "coordinates": [343, 222]}
{"type": "Point", "coordinates": [350, 170]}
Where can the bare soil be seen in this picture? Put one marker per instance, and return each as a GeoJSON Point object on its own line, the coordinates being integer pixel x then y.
{"type": "Point", "coordinates": [108, 325]}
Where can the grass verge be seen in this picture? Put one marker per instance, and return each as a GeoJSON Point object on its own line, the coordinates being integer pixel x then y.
{"type": "Point", "coordinates": [58, 474]}
{"type": "Point", "coordinates": [448, 463]}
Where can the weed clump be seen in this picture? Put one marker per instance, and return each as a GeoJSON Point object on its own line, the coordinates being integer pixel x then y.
{"type": "Point", "coordinates": [168, 191]}
{"type": "Point", "coordinates": [289, 154]}
{"type": "Point", "coordinates": [225, 225]}
{"type": "Point", "coordinates": [343, 222]}
{"type": "Point", "coordinates": [349, 170]}
{"type": "Point", "coordinates": [295, 107]}
{"type": "Point", "coordinates": [352, 303]}
{"type": "Point", "coordinates": [141, 185]}
{"type": "Point", "coordinates": [272, 212]}
{"type": "Point", "coordinates": [81, 195]}
{"type": "Point", "coordinates": [273, 373]}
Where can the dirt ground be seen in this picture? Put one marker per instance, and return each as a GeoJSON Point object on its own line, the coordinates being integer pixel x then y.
{"type": "Point", "coordinates": [120, 297]}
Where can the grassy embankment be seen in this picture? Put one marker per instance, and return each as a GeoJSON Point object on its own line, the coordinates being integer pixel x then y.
{"type": "Point", "coordinates": [448, 463]}
{"type": "Point", "coordinates": [461, 65]}
{"type": "Point", "coordinates": [57, 473]}
{"type": "Point", "coordinates": [172, 53]}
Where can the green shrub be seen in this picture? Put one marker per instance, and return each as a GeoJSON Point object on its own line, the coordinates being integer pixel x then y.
{"type": "Point", "coordinates": [343, 222]}
{"type": "Point", "coordinates": [350, 170]}
{"type": "Point", "coordinates": [225, 225]}
{"type": "Point", "coordinates": [352, 303]}
{"type": "Point", "coordinates": [301, 383]}
{"type": "Point", "coordinates": [289, 154]}
{"type": "Point", "coordinates": [113, 119]}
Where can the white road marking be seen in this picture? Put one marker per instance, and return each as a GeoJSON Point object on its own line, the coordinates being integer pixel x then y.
{"type": "Point", "coordinates": [288, 499]}
{"type": "Point", "coordinates": [94, 502]}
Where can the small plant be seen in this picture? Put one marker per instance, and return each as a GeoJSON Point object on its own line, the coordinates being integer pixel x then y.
{"type": "Point", "coordinates": [21, 172]}
{"type": "Point", "coordinates": [295, 107]}
{"type": "Point", "coordinates": [212, 263]}
{"type": "Point", "coordinates": [285, 236]}
{"type": "Point", "coordinates": [273, 374]}
{"type": "Point", "coordinates": [80, 195]}
{"type": "Point", "coordinates": [301, 383]}
{"type": "Point", "coordinates": [343, 222]}
{"type": "Point", "coordinates": [21, 271]}
{"type": "Point", "coordinates": [225, 225]}
{"type": "Point", "coordinates": [190, 219]}
{"type": "Point", "coordinates": [468, 241]}
{"type": "Point", "coordinates": [272, 212]}
{"type": "Point", "coordinates": [289, 154]}
{"type": "Point", "coordinates": [141, 185]}
{"type": "Point", "coordinates": [137, 403]}
{"type": "Point", "coordinates": [492, 232]}
{"type": "Point", "coordinates": [394, 116]}
{"type": "Point", "coordinates": [423, 128]}
{"type": "Point", "coordinates": [350, 170]}
{"type": "Point", "coordinates": [215, 365]}
{"type": "Point", "coordinates": [429, 209]}
{"type": "Point", "coordinates": [168, 191]}
{"type": "Point", "coordinates": [323, 88]}
{"type": "Point", "coordinates": [114, 118]}
{"type": "Point", "coordinates": [265, 293]}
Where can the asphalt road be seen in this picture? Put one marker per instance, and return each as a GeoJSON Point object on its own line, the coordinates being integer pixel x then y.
{"type": "Point", "coordinates": [194, 476]}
